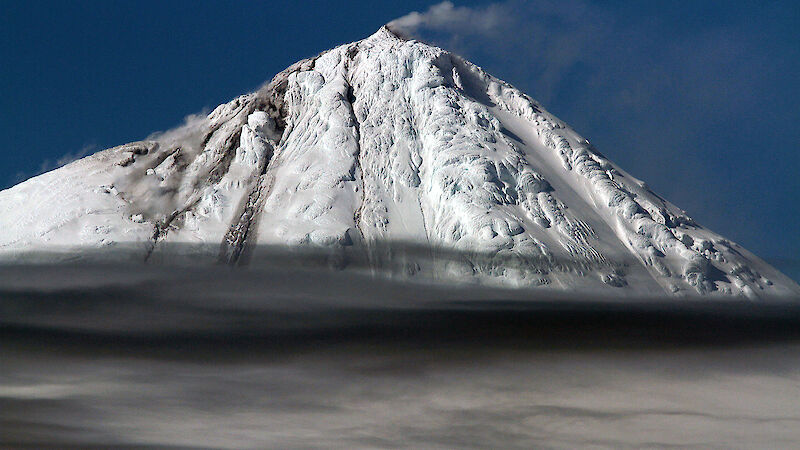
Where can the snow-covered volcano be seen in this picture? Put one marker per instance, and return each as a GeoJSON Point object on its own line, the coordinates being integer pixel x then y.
{"type": "Point", "coordinates": [392, 152]}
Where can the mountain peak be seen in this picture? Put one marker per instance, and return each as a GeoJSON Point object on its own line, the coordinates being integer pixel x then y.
{"type": "Point", "coordinates": [388, 32]}
{"type": "Point", "coordinates": [386, 154]}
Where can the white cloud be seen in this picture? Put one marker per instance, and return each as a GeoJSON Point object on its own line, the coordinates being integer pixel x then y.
{"type": "Point", "coordinates": [54, 163]}
{"type": "Point", "coordinates": [544, 38]}
{"type": "Point", "coordinates": [446, 16]}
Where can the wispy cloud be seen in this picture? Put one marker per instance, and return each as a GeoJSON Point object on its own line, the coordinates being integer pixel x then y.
{"type": "Point", "coordinates": [69, 157]}
{"type": "Point", "coordinates": [544, 39]}
{"type": "Point", "coordinates": [446, 16]}
{"type": "Point", "coordinates": [54, 163]}
{"type": "Point", "coordinates": [558, 49]}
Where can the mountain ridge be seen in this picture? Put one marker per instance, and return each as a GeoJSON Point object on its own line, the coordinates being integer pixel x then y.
{"type": "Point", "coordinates": [372, 144]}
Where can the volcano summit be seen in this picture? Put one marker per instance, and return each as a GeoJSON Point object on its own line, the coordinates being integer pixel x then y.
{"type": "Point", "coordinates": [388, 155]}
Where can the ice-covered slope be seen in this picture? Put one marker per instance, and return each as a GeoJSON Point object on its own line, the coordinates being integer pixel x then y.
{"type": "Point", "coordinates": [391, 152]}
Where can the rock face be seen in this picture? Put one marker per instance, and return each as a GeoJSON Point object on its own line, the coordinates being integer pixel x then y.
{"type": "Point", "coordinates": [395, 153]}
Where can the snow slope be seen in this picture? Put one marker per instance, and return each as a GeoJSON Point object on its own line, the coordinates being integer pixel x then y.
{"type": "Point", "coordinates": [390, 152]}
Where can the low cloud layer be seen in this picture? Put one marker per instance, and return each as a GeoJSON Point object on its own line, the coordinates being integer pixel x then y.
{"type": "Point", "coordinates": [139, 356]}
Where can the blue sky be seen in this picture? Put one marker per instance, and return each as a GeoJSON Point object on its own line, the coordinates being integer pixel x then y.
{"type": "Point", "coordinates": [700, 99]}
